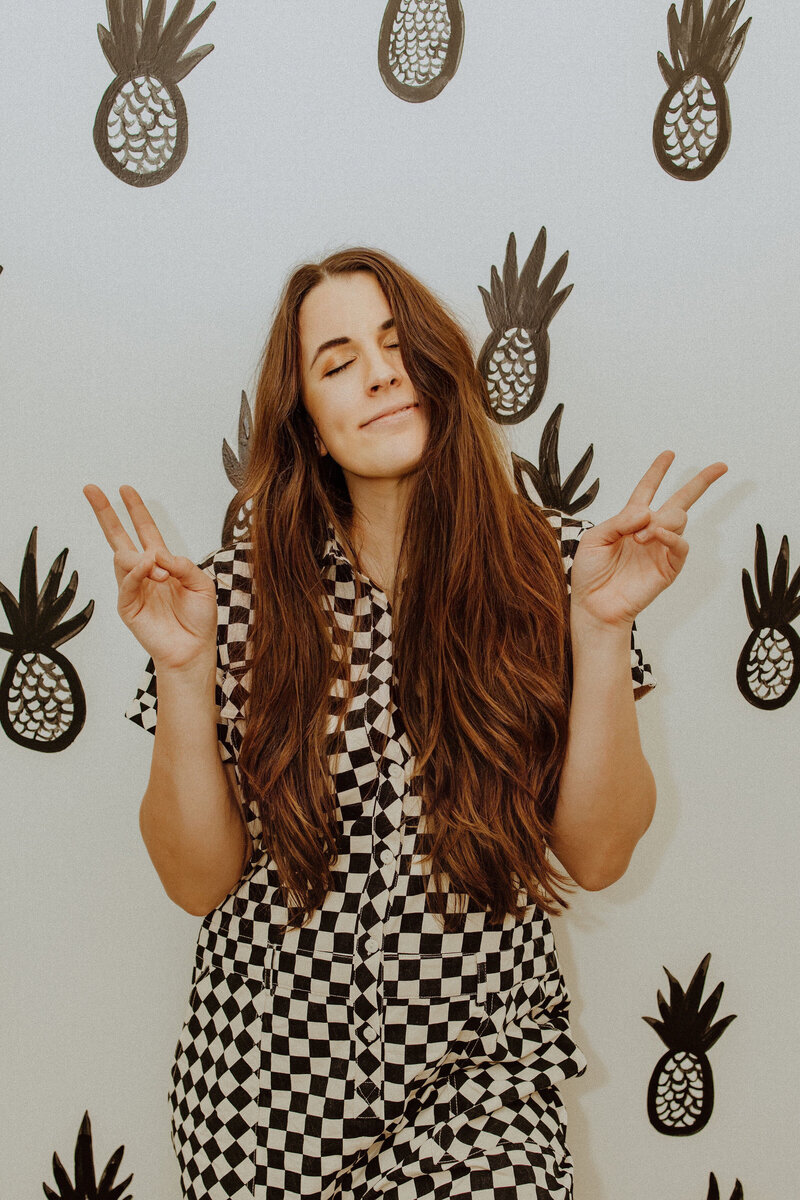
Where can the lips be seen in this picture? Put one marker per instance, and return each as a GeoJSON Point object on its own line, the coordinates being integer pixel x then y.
{"type": "Point", "coordinates": [390, 412]}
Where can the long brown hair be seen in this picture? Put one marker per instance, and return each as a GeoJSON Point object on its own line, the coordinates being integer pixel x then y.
{"type": "Point", "coordinates": [480, 622]}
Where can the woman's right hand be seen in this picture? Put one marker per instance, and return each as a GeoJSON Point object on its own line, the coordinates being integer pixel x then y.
{"type": "Point", "coordinates": [167, 602]}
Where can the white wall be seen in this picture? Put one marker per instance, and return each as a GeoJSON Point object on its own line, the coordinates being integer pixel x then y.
{"type": "Point", "coordinates": [131, 319]}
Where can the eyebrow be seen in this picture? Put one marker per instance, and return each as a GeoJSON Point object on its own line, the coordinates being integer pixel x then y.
{"type": "Point", "coordinates": [343, 341]}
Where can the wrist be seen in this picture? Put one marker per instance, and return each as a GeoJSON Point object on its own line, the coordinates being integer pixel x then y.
{"type": "Point", "coordinates": [196, 670]}
{"type": "Point", "coordinates": [586, 624]}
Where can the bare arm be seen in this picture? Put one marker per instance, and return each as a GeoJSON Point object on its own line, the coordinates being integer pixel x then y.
{"type": "Point", "coordinates": [190, 816]}
{"type": "Point", "coordinates": [607, 791]}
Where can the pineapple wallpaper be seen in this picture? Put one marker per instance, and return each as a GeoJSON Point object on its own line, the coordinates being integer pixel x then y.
{"type": "Point", "coordinates": [86, 1185]}
{"type": "Point", "coordinates": [514, 359]}
{"type": "Point", "coordinates": [42, 701]}
{"type": "Point", "coordinates": [235, 465]}
{"type": "Point", "coordinates": [419, 46]}
{"type": "Point", "coordinates": [692, 126]}
{"type": "Point", "coordinates": [768, 670]}
{"type": "Point", "coordinates": [680, 1095]}
{"type": "Point", "coordinates": [131, 321]}
{"type": "Point", "coordinates": [141, 130]}
{"type": "Point", "coordinates": [543, 484]}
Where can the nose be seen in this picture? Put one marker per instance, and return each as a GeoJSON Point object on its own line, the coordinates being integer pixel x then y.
{"type": "Point", "coordinates": [383, 374]}
{"type": "Point", "coordinates": [381, 371]}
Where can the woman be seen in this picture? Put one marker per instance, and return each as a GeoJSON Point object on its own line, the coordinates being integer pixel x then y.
{"type": "Point", "coordinates": [377, 711]}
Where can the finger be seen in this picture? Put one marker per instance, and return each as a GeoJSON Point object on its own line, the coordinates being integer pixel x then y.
{"type": "Point", "coordinates": [185, 571]}
{"type": "Point", "coordinates": [647, 486]}
{"type": "Point", "coordinates": [131, 583]}
{"type": "Point", "coordinates": [627, 520]}
{"type": "Point", "coordinates": [685, 496]}
{"type": "Point", "coordinates": [126, 560]}
{"type": "Point", "coordinates": [673, 541]}
{"type": "Point", "coordinates": [668, 517]}
{"type": "Point", "coordinates": [143, 522]}
{"type": "Point", "coordinates": [115, 532]}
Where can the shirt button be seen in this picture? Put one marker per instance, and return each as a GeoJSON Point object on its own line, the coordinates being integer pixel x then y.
{"type": "Point", "coordinates": [387, 856]}
{"type": "Point", "coordinates": [369, 1034]}
{"type": "Point", "coordinates": [395, 770]}
{"type": "Point", "coordinates": [371, 945]}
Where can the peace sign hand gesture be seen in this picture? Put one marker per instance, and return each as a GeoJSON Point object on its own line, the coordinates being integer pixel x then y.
{"type": "Point", "coordinates": [166, 601]}
{"type": "Point", "coordinates": [622, 564]}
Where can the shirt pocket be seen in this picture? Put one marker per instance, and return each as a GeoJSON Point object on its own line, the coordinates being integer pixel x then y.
{"type": "Point", "coordinates": [435, 1011]}
{"type": "Point", "coordinates": [310, 1044]}
{"type": "Point", "coordinates": [524, 989]}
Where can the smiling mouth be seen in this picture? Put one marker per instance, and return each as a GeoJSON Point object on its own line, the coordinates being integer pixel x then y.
{"type": "Point", "coordinates": [393, 415]}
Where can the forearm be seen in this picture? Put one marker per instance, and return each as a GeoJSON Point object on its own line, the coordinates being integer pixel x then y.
{"type": "Point", "coordinates": [191, 824]}
{"type": "Point", "coordinates": [607, 791]}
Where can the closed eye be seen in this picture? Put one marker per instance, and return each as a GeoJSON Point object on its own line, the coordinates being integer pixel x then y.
{"type": "Point", "coordinates": [336, 370]}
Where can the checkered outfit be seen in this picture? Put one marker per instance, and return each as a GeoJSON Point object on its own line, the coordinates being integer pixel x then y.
{"type": "Point", "coordinates": [369, 1054]}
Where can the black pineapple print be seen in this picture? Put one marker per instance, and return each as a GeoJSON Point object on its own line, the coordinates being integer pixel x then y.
{"type": "Point", "coordinates": [42, 702]}
{"type": "Point", "coordinates": [515, 358]}
{"type": "Point", "coordinates": [141, 130]}
{"type": "Point", "coordinates": [419, 46]}
{"type": "Point", "coordinates": [85, 1186]}
{"type": "Point", "coordinates": [680, 1096]}
{"type": "Point", "coordinates": [768, 670]}
{"type": "Point", "coordinates": [692, 126]}
{"type": "Point", "coordinates": [546, 479]}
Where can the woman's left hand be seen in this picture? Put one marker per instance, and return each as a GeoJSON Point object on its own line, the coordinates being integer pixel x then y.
{"type": "Point", "coordinates": [622, 564]}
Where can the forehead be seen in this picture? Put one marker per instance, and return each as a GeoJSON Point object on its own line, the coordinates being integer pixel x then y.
{"type": "Point", "coordinates": [341, 306]}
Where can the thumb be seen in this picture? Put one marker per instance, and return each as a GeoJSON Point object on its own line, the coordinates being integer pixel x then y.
{"type": "Point", "coordinates": [628, 520]}
{"type": "Point", "coordinates": [183, 569]}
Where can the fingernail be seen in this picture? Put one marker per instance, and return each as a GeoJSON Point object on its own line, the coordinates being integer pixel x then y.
{"type": "Point", "coordinates": [160, 573]}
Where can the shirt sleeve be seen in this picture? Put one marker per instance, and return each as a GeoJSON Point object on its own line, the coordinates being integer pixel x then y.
{"type": "Point", "coordinates": [143, 707]}
{"type": "Point", "coordinates": [570, 530]}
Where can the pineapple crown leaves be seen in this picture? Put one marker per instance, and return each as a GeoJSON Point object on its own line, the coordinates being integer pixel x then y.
{"type": "Point", "coordinates": [235, 467]}
{"type": "Point", "coordinates": [34, 619]}
{"type": "Point", "coordinates": [778, 604]}
{"type": "Point", "coordinates": [686, 1025]}
{"type": "Point", "coordinates": [696, 44]}
{"type": "Point", "coordinates": [547, 479]}
{"type": "Point", "coordinates": [713, 1189]}
{"type": "Point", "coordinates": [520, 299]}
{"type": "Point", "coordinates": [132, 42]}
{"type": "Point", "coordinates": [85, 1187]}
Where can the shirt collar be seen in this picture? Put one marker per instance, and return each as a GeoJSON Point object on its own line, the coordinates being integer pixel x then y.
{"type": "Point", "coordinates": [333, 552]}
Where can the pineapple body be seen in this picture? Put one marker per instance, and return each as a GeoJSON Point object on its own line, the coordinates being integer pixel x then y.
{"type": "Point", "coordinates": [691, 130]}
{"type": "Point", "coordinates": [515, 370]}
{"type": "Point", "coordinates": [419, 46]}
{"type": "Point", "coordinates": [42, 702]}
{"type": "Point", "coordinates": [139, 122]}
{"type": "Point", "coordinates": [768, 670]}
{"type": "Point", "coordinates": [680, 1097]}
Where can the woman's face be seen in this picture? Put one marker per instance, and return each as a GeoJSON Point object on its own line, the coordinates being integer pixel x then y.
{"type": "Point", "coordinates": [347, 384]}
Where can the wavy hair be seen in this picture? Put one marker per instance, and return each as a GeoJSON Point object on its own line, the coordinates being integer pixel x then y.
{"type": "Point", "coordinates": [480, 623]}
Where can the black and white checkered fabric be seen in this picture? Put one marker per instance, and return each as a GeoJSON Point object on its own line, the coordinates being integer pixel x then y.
{"type": "Point", "coordinates": [369, 1054]}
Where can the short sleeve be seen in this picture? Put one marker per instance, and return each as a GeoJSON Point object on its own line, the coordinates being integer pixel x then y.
{"type": "Point", "coordinates": [143, 707]}
{"type": "Point", "coordinates": [570, 530]}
